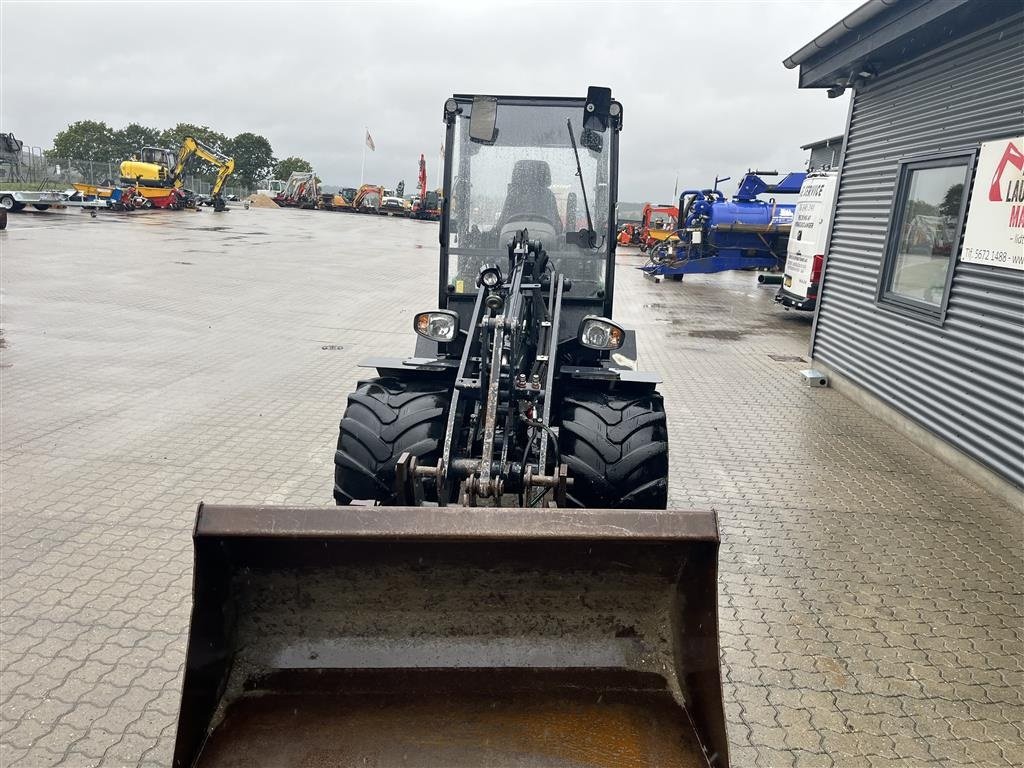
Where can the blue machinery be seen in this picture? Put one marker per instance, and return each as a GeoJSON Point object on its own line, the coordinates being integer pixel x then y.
{"type": "Point", "coordinates": [714, 234]}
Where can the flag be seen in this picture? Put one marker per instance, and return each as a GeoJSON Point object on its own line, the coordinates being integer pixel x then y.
{"type": "Point", "coordinates": [369, 142]}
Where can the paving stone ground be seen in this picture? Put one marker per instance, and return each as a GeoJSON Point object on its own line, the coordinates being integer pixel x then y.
{"type": "Point", "coordinates": [871, 600]}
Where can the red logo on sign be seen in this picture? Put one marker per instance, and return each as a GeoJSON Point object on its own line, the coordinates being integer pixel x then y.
{"type": "Point", "coordinates": [1012, 156]}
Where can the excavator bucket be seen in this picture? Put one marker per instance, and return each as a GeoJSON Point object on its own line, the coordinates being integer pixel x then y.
{"type": "Point", "coordinates": [450, 636]}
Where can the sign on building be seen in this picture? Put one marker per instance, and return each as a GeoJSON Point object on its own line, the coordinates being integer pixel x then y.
{"type": "Point", "coordinates": [995, 223]}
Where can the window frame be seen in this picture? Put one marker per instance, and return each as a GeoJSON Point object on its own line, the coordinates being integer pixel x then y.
{"type": "Point", "coordinates": [885, 297]}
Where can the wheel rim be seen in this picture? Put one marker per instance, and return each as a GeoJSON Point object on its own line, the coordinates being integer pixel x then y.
{"type": "Point", "coordinates": [6, 202]}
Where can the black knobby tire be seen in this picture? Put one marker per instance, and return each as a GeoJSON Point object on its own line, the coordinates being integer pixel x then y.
{"type": "Point", "coordinates": [386, 417]}
{"type": "Point", "coordinates": [616, 447]}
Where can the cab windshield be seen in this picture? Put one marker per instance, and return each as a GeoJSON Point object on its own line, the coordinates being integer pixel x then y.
{"type": "Point", "coordinates": [526, 179]}
{"type": "Point", "coordinates": [162, 157]}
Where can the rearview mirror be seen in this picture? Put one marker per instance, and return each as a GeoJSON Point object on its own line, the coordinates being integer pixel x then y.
{"type": "Point", "coordinates": [597, 109]}
{"type": "Point", "coordinates": [483, 119]}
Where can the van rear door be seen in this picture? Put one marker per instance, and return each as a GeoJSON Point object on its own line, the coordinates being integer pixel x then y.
{"type": "Point", "coordinates": [807, 238]}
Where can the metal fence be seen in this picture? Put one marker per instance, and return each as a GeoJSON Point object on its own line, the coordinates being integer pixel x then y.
{"type": "Point", "coordinates": [34, 169]}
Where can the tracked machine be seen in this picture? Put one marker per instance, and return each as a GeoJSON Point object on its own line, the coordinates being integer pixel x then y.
{"type": "Point", "coordinates": [157, 176]}
{"type": "Point", "coordinates": [500, 582]}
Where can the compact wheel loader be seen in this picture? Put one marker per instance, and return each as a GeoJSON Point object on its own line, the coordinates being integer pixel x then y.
{"type": "Point", "coordinates": [500, 583]}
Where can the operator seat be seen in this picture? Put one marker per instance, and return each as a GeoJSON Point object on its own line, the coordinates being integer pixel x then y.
{"type": "Point", "coordinates": [530, 204]}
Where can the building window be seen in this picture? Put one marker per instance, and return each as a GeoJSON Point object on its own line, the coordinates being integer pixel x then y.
{"type": "Point", "coordinates": [924, 234]}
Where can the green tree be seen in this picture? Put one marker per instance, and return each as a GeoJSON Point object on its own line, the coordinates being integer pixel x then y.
{"type": "Point", "coordinates": [134, 137]}
{"type": "Point", "coordinates": [920, 208]}
{"type": "Point", "coordinates": [950, 205]}
{"type": "Point", "coordinates": [254, 158]}
{"type": "Point", "coordinates": [86, 140]}
{"type": "Point", "coordinates": [290, 165]}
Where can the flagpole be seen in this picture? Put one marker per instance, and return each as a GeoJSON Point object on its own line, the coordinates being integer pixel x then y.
{"type": "Point", "coordinates": [362, 168]}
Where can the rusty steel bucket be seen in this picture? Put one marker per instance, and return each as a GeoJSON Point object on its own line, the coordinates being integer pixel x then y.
{"type": "Point", "coordinates": [428, 636]}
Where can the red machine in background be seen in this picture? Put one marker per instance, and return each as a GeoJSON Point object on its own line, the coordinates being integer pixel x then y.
{"type": "Point", "coordinates": [659, 223]}
{"type": "Point", "coordinates": [427, 206]}
{"type": "Point", "coordinates": [628, 234]}
{"type": "Point", "coordinates": [301, 191]}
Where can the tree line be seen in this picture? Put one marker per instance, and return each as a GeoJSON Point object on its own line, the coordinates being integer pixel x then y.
{"type": "Point", "coordinates": [95, 141]}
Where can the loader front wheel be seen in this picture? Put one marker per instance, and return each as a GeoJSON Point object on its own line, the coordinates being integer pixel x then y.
{"type": "Point", "coordinates": [616, 447]}
{"type": "Point", "coordinates": [386, 417]}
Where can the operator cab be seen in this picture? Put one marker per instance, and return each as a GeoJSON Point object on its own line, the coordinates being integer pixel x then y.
{"type": "Point", "coordinates": [518, 173]}
{"type": "Point", "coordinates": [158, 156]}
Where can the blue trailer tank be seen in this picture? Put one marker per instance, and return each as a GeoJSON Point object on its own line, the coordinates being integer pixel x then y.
{"type": "Point", "coordinates": [756, 214]}
{"type": "Point", "coordinates": [715, 234]}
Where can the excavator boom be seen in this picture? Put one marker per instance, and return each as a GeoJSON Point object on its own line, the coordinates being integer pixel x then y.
{"type": "Point", "coordinates": [225, 166]}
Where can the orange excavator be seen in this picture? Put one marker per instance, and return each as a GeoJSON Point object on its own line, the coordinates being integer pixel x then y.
{"type": "Point", "coordinates": [368, 199]}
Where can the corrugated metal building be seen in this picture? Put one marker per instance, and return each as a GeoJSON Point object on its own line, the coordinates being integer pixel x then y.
{"type": "Point", "coordinates": [922, 305]}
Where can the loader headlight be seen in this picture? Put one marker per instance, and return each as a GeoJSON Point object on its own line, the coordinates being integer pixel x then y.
{"type": "Point", "coordinates": [600, 333]}
{"type": "Point", "coordinates": [439, 325]}
{"type": "Point", "coordinates": [489, 277]}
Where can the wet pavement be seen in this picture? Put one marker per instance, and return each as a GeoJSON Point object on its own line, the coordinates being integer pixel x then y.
{"type": "Point", "coordinates": [871, 600]}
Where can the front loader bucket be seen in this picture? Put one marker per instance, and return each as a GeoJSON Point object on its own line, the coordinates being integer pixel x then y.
{"type": "Point", "coordinates": [450, 636]}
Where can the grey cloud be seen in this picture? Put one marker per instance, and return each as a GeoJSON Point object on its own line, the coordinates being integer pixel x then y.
{"type": "Point", "coordinates": [702, 84]}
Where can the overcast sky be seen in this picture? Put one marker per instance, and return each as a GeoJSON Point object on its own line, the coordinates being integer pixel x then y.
{"type": "Point", "coordinates": [702, 84]}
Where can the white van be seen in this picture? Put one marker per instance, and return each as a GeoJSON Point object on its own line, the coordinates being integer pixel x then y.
{"type": "Point", "coordinates": [805, 256]}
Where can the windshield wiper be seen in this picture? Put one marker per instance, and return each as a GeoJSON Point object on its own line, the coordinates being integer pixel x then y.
{"type": "Point", "coordinates": [591, 234]}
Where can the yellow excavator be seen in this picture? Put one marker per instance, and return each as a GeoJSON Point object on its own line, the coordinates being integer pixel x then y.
{"type": "Point", "coordinates": [158, 174]}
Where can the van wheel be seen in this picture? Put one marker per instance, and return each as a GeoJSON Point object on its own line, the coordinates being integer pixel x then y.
{"type": "Point", "coordinates": [616, 447]}
{"type": "Point", "coordinates": [39, 207]}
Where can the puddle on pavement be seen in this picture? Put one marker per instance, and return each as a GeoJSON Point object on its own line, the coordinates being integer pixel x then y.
{"type": "Point", "coordinates": [700, 309]}
{"type": "Point", "coordinates": [720, 334]}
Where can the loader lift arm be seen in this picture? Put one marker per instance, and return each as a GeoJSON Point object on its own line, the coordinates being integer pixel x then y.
{"type": "Point", "coordinates": [504, 386]}
{"type": "Point", "coordinates": [225, 167]}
